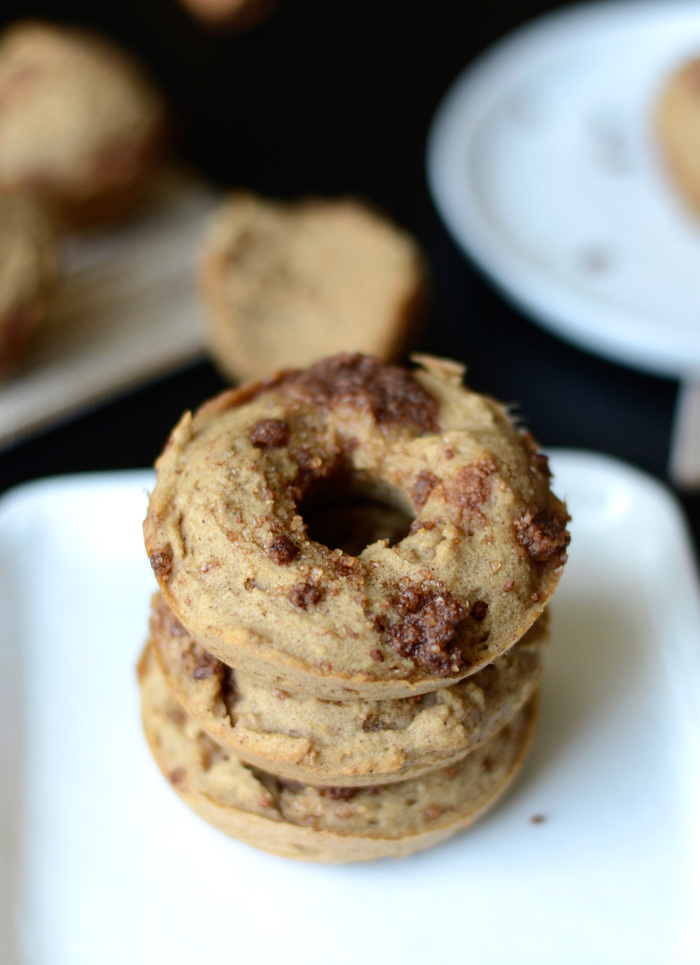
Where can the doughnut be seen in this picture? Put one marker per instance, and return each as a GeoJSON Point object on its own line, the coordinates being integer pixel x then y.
{"type": "Point", "coordinates": [286, 283]}
{"type": "Point", "coordinates": [343, 742]}
{"type": "Point", "coordinates": [79, 123]}
{"type": "Point", "coordinates": [314, 823]}
{"type": "Point", "coordinates": [230, 538]}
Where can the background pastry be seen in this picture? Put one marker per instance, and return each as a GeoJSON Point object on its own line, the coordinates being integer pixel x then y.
{"type": "Point", "coordinates": [285, 284]}
{"type": "Point", "coordinates": [79, 122]}
{"type": "Point", "coordinates": [231, 14]}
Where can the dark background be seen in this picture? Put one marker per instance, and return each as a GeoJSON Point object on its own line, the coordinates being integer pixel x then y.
{"type": "Point", "coordinates": [336, 97]}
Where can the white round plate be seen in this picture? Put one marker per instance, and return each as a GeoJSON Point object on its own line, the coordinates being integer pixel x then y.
{"type": "Point", "coordinates": [543, 163]}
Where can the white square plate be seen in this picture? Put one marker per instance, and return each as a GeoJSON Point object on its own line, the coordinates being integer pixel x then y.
{"type": "Point", "coordinates": [103, 865]}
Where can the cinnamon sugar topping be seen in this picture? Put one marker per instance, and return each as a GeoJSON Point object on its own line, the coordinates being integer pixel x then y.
{"type": "Point", "coordinates": [389, 393]}
{"type": "Point", "coordinates": [543, 535]}
{"type": "Point", "coordinates": [427, 630]}
{"type": "Point", "coordinates": [269, 434]}
{"type": "Point", "coordinates": [162, 563]}
{"type": "Point", "coordinates": [470, 488]}
{"type": "Point", "coordinates": [304, 595]}
{"type": "Point", "coordinates": [282, 550]}
{"type": "Point", "coordinates": [424, 484]}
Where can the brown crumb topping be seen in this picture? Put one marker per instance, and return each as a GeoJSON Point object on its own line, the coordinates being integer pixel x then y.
{"type": "Point", "coordinates": [162, 563]}
{"type": "Point", "coordinates": [418, 524]}
{"type": "Point", "coordinates": [389, 393]}
{"type": "Point", "coordinates": [543, 535]}
{"type": "Point", "coordinates": [282, 550]}
{"type": "Point", "coordinates": [470, 488]}
{"type": "Point", "coordinates": [426, 633]}
{"type": "Point", "coordinates": [345, 564]}
{"type": "Point", "coordinates": [269, 434]}
{"type": "Point", "coordinates": [304, 595]}
{"type": "Point", "coordinates": [422, 487]}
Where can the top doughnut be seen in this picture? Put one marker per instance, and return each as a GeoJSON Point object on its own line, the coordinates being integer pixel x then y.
{"type": "Point", "coordinates": [243, 482]}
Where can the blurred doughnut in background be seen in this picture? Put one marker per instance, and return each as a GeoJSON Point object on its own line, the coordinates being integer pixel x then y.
{"type": "Point", "coordinates": [230, 14]}
{"type": "Point", "coordinates": [287, 284]}
{"type": "Point", "coordinates": [79, 122]}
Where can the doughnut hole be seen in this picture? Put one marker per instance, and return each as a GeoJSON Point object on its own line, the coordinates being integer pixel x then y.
{"type": "Point", "coordinates": [350, 518]}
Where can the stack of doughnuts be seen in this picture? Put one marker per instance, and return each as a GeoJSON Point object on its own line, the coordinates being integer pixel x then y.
{"type": "Point", "coordinates": [354, 562]}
